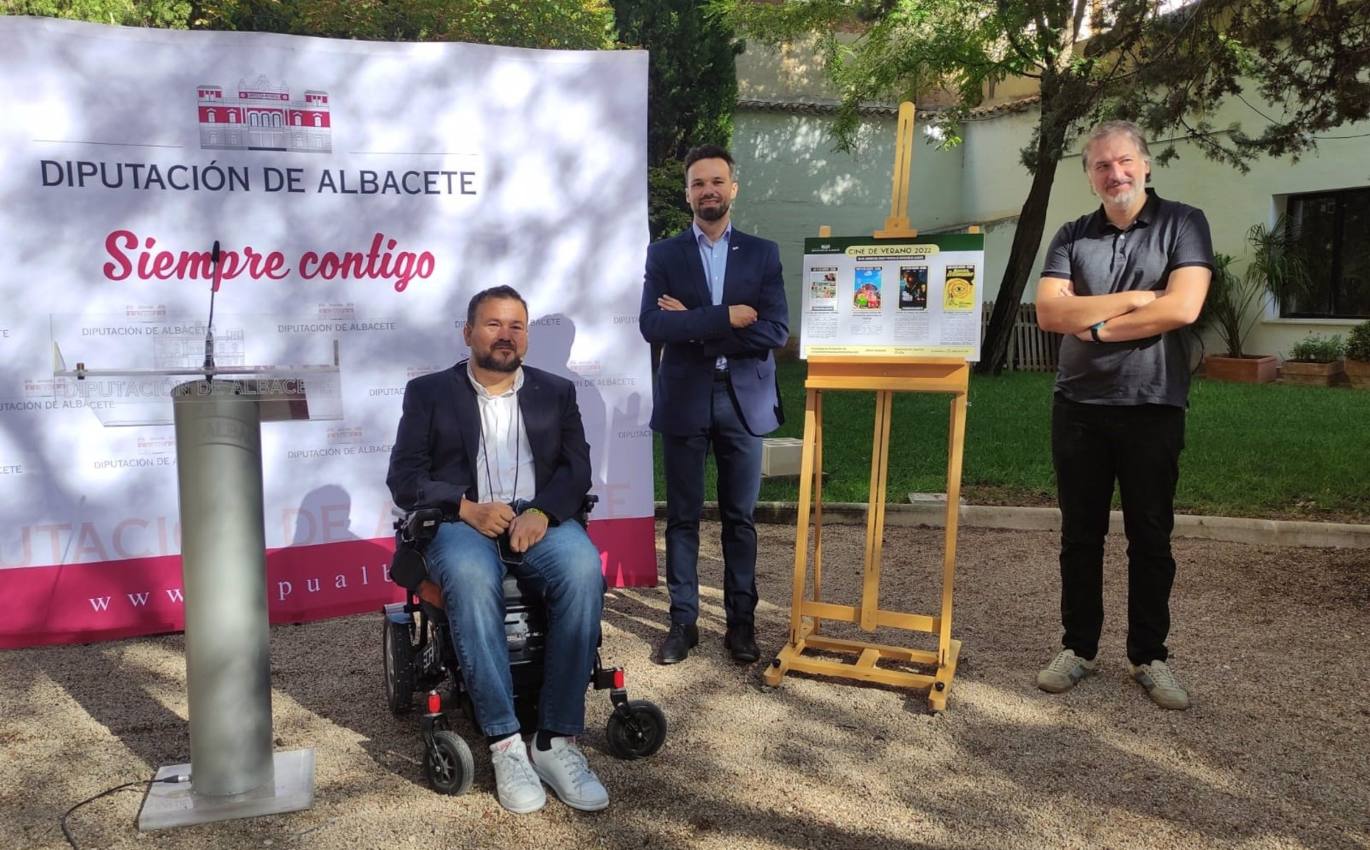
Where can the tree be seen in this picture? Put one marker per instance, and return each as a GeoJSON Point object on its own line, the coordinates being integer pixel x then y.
{"type": "Point", "coordinates": [1164, 63]}
{"type": "Point", "coordinates": [166, 14]}
{"type": "Point", "coordinates": [565, 24]}
{"type": "Point", "coordinates": [691, 93]}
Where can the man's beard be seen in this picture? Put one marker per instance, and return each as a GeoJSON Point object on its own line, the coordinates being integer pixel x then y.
{"type": "Point", "coordinates": [713, 213]}
{"type": "Point", "coordinates": [1123, 199]}
{"type": "Point", "coordinates": [489, 361]}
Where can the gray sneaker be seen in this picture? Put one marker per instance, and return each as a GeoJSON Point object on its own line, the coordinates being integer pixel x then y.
{"type": "Point", "coordinates": [516, 785]}
{"type": "Point", "coordinates": [1165, 690]}
{"type": "Point", "coordinates": [1064, 671]}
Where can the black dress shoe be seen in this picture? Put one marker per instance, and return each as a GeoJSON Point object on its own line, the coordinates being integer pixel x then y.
{"type": "Point", "coordinates": [676, 647]}
{"type": "Point", "coordinates": [741, 642]}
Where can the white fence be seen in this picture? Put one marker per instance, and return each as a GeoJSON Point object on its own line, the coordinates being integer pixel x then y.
{"type": "Point", "coordinates": [1030, 349]}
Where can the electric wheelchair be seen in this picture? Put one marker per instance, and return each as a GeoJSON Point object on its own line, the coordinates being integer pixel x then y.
{"type": "Point", "coordinates": [419, 659]}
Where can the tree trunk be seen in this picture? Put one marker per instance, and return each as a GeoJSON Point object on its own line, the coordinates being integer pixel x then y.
{"type": "Point", "coordinates": [1026, 240]}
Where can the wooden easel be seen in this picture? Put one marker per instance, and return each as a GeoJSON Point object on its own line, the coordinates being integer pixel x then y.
{"type": "Point", "coordinates": [885, 376]}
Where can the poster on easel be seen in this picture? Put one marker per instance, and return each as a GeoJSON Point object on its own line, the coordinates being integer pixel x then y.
{"type": "Point", "coordinates": [916, 297]}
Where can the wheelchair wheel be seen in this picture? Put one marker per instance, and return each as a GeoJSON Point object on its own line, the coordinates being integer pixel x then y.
{"type": "Point", "coordinates": [398, 651]}
{"type": "Point", "coordinates": [638, 733]}
{"type": "Point", "coordinates": [448, 764]}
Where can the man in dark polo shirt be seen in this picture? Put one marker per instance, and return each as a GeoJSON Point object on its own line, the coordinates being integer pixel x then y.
{"type": "Point", "coordinates": [1120, 284]}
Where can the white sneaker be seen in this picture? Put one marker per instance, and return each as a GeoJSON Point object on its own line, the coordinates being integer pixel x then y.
{"type": "Point", "coordinates": [1064, 671]}
{"type": "Point", "coordinates": [516, 785]}
{"type": "Point", "coordinates": [1160, 683]}
{"type": "Point", "coordinates": [565, 769]}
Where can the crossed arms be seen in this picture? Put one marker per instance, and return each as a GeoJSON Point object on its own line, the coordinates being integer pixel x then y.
{"type": "Point", "coordinates": [728, 330]}
{"type": "Point", "coordinates": [1127, 315]}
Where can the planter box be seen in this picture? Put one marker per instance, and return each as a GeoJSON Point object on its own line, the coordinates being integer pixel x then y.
{"type": "Point", "coordinates": [1316, 374]}
{"type": "Point", "coordinates": [1358, 371]}
{"type": "Point", "coordinates": [1252, 369]}
{"type": "Point", "coordinates": [781, 456]}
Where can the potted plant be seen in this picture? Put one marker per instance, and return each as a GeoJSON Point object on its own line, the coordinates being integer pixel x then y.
{"type": "Point", "coordinates": [1235, 302]}
{"type": "Point", "coordinates": [1358, 356]}
{"type": "Point", "coordinates": [1315, 360]}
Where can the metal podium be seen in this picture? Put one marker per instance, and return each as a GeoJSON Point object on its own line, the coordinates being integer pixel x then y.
{"type": "Point", "coordinates": [233, 770]}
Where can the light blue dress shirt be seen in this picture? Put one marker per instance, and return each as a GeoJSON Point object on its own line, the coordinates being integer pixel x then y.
{"type": "Point", "coordinates": [714, 256]}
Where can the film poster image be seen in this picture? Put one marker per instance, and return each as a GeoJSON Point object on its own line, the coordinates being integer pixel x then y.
{"type": "Point", "coordinates": [959, 294]}
{"type": "Point", "coordinates": [866, 288]}
{"type": "Point", "coordinates": [913, 287]}
{"type": "Point", "coordinates": [823, 283]}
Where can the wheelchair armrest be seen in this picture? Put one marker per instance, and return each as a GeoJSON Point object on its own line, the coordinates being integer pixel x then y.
{"type": "Point", "coordinates": [413, 532]}
{"type": "Point", "coordinates": [420, 526]}
{"type": "Point", "coordinates": [586, 506]}
{"type": "Point", "coordinates": [408, 568]}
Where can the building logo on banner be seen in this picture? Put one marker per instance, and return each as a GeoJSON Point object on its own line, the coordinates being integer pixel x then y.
{"type": "Point", "coordinates": [263, 118]}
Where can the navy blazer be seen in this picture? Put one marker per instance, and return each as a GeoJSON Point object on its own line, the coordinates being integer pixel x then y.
{"type": "Point", "coordinates": [692, 339]}
{"type": "Point", "coordinates": [433, 461]}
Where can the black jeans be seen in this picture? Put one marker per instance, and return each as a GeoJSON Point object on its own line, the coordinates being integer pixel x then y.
{"type": "Point", "coordinates": [1138, 446]}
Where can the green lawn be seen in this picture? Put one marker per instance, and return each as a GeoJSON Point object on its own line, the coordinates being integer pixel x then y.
{"type": "Point", "coordinates": [1258, 451]}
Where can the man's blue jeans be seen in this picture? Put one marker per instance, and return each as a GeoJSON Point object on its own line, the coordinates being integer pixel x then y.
{"type": "Point", "coordinates": [564, 567]}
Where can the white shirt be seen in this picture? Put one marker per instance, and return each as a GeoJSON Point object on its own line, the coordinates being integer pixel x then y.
{"type": "Point", "coordinates": [504, 460]}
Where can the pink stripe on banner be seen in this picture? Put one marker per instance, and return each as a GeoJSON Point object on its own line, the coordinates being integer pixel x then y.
{"type": "Point", "coordinates": [628, 550]}
{"type": "Point", "coordinates": [81, 603]}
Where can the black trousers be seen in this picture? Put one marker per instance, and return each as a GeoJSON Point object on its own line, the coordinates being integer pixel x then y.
{"type": "Point", "coordinates": [1139, 447]}
{"type": "Point", "coordinates": [738, 455]}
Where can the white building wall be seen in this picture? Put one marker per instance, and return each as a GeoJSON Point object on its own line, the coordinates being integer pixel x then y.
{"type": "Point", "coordinates": [994, 184]}
{"type": "Point", "coordinates": [994, 181]}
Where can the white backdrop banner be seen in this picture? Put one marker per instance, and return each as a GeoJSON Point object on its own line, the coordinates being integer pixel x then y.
{"type": "Point", "coordinates": [361, 193]}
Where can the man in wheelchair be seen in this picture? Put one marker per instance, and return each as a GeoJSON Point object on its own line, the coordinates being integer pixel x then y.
{"type": "Point", "coordinates": [501, 448]}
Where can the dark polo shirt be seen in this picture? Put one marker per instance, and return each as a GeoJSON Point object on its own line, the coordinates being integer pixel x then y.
{"type": "Point", "coordinates": [1098, 259]}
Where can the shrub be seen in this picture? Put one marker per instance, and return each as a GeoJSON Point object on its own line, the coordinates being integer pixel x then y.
{"type": "Point", "coordinates": [1358, 343]}
{"type": "Point", "coordinates": [1274, 269]}
{"type": "Point", "coordinates": [1316, 348]}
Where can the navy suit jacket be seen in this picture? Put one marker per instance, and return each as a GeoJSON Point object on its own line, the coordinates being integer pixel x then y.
{"type": "Point", "coordinates": [433, 461]}
{"type": "Point", "coordinates": [692, 339]}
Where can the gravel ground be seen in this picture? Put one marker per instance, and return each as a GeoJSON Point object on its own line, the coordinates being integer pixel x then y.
{"type": "Point", "coordinates": [1274, 753]}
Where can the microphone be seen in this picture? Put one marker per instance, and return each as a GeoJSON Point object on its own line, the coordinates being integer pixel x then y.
{"type": "Point", "coordinates": [209, 328]}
